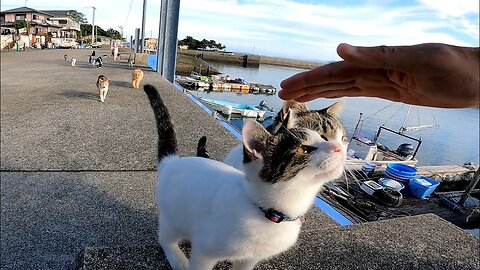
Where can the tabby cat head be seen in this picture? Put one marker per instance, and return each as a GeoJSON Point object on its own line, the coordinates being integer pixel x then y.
{"type": "Point", "coordinates": [308, 144]}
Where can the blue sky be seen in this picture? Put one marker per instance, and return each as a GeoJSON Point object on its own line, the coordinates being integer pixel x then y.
{"type": "Point", "coordinates": [294, 29]}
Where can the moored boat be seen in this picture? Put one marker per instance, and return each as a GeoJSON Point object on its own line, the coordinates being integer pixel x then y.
{"type": "Point", "coordinates": [228, 108]}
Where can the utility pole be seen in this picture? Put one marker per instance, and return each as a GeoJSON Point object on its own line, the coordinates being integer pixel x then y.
{"type": "Point", "coordinates": [142, 35]}
{"type": "Point", "coordinates": [121, 31]}
{"type": "Point", "coordinates": [93, 24]}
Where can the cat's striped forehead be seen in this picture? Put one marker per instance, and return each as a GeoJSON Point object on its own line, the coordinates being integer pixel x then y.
{"type": "Point", "coordinates": [283, 160]}
{"type": "Point", "coordinates": [323, 123]}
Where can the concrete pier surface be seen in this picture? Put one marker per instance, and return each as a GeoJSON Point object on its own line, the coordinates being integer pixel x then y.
{"type": "Point", "coordinates": [77, 179]}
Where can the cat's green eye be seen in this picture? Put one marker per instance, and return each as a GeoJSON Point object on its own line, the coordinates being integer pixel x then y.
{"type": "Point", "coordinates": [306, 149]}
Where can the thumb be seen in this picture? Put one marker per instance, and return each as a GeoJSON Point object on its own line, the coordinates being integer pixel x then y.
{"type": "Point", "coordinates": [388, 57]}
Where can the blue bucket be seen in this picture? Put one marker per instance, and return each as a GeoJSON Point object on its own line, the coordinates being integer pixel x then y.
{"type": "Point", "coordinates": [401, 170]}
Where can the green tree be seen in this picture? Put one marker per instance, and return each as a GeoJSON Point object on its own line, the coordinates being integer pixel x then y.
{"type": "Point", "coordinates": [197, 44]}
{"type": "Point", "coordinates": [100, 31]}
{"type": "Point", "coordinates": [19, 24]}
{"type": "Point", "coordinates": [86, 30]}
{"type": "Point", "coordinates": [77, 16]}
{"type": "Point", "coordinates": [112, 33]}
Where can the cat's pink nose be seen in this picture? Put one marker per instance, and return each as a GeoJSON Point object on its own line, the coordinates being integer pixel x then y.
{"type": "Point", "coordinates": [336, 148]}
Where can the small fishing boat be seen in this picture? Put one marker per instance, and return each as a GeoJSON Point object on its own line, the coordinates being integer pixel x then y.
{"type": "Point", "coordinates": [228, 108]}
{"type": "Point", "coordinates": [362, 149]}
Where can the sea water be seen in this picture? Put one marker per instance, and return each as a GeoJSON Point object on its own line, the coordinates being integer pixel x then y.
{"type": "Point", "coordinates": [454, 141]}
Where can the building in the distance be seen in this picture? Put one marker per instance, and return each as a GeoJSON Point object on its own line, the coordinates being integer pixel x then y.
{"type": "Point", "coordinates": [48, 23]}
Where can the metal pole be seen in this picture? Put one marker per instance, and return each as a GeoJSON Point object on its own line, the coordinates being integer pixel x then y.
{"type": "Point", "coordinates": [173, 10]}
{"type": "Point", "coordinates": [142, 37]}
{"type": "Point", "coordinates": [93, 25]}
{"type": "Point", "coordinates": [131, 44]}
{"type": "Point", "coordinates": [161, 37]}
{"type": "Point", "coordinates": [137, 39]}
{"type": "Point", "coordinates": [471, 186]}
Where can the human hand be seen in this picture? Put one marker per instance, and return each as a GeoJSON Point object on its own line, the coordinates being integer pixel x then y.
{"type": "Point", "coordinates": [431, 74]}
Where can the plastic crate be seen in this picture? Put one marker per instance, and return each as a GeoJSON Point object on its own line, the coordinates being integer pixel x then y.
{"type": "Point", "coordinates": [418, 190]}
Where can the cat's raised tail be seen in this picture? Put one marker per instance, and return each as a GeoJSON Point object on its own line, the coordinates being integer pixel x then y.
{"type": "Point", "coordinates": [167, 140]}
{"type": "Point", "coordinates": [202, 148]}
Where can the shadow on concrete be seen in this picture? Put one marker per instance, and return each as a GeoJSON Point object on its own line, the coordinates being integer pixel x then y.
{"type": "Point", "coordinates": [49, 218]}
{"type": "Point", "coordinates": [80, 94]}
{"type": "Point", "coordinates": [125, 84]}
{"type": "Point", "coordinates": [324, 248]}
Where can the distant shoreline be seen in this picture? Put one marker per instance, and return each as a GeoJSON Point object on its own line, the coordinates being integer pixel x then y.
{"type": "Point", "coordinates": [285, 62]}
{"type": "Point", "coordinates": [240, 58]}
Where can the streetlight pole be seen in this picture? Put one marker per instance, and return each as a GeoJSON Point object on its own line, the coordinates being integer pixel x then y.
{"type": "Point", "coordinates": [142, 35]}
{"type": "Point", "coordinates": [93, 24]}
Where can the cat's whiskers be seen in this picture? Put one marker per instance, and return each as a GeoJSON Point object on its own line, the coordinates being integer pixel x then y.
{"type": "Point", "coordinates": [352, 174]}
{"type": "Point", "coordinates": [346, 179]}
{"type": "Point", "coordinates": [290, 132]}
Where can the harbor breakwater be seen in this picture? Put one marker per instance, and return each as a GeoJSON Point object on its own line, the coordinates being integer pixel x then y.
{"type": "Point", "coordinates": [199, 61]}
{"type": "Point", "coordinates": [247, 60]}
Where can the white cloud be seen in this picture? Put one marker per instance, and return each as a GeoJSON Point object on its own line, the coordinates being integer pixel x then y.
{"type": "Point", "coordinates": [453, 8]}
{"type": "Point", "coordinates": [291, 29]}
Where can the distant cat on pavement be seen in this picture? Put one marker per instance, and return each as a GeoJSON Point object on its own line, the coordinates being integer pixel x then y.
{"type": "Point", "coordinates": [137, 76]}
{"type": "Point", "coordinates": [102, 86]}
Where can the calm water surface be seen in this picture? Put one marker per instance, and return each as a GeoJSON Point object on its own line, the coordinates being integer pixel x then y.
{"type": "Point", "coordinates": [455, 141]}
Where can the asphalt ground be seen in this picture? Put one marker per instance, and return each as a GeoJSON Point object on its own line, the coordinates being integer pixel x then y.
{"type": "Point", "coordinates": [77, 177]}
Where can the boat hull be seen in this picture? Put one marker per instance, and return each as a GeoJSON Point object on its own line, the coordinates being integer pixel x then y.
{"type": "Point", "coordinates": [229, 108]}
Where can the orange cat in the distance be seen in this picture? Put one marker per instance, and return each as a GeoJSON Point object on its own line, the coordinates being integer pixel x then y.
{"type": "Point", "coordinates": [137, 76]}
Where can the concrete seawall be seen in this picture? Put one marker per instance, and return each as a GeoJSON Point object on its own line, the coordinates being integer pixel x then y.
{"type": "Point", "coordinates": [192, 60]}
{"type": "Point", "coordinates": [253, 60]}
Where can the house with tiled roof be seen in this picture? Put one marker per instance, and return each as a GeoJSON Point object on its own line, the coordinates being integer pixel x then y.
{"type": "Point", "coordinates": [70, 28]}
{"type": "Point", "coordinates": [48, 23]}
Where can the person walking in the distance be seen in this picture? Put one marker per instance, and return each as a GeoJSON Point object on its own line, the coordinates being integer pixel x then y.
{"type": "Point", "coordinates": [431, 74]}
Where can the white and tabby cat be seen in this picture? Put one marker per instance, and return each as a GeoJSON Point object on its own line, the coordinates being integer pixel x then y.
{"type": "Point", "coordinates": [293, 114]}
{"type": "Point", "coordinates": [98, 62]}
{"type": "Point", "coordinates": [239, 216]}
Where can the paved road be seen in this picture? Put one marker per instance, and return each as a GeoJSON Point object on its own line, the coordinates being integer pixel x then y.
{"type": "Point", "coordinates": [100, 192]}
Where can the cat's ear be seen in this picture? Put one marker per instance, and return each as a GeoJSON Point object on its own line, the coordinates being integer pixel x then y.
{"type": "Point", "coordinates": [288, 114]}
{"type": "Point", "coordinates": [291, 108]}
{"type": "Point", "coordinates": [334, 109]}
{"type": "Point", "coordinates": [254, 137]}
{"type": "Point", "coordinates": [294, 105]}
{"type": "Point", "coordinates": [285, 120]}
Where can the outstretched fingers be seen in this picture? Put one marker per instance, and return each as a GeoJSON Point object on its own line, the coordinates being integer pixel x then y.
{"type": "Point", "coordinates": [338, 74]}
{"type": "Point", "coordinates": [389, 93]}
{"type": "Point", "coordinates": [401, 58]}
{"type": "Point", "coordinates": [315, 90]}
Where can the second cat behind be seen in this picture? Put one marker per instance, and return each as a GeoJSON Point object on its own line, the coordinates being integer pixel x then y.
{"type": "Point", "coordinates": [137, 76]}
{"type": "Point", "coordinates": [102, 85]}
